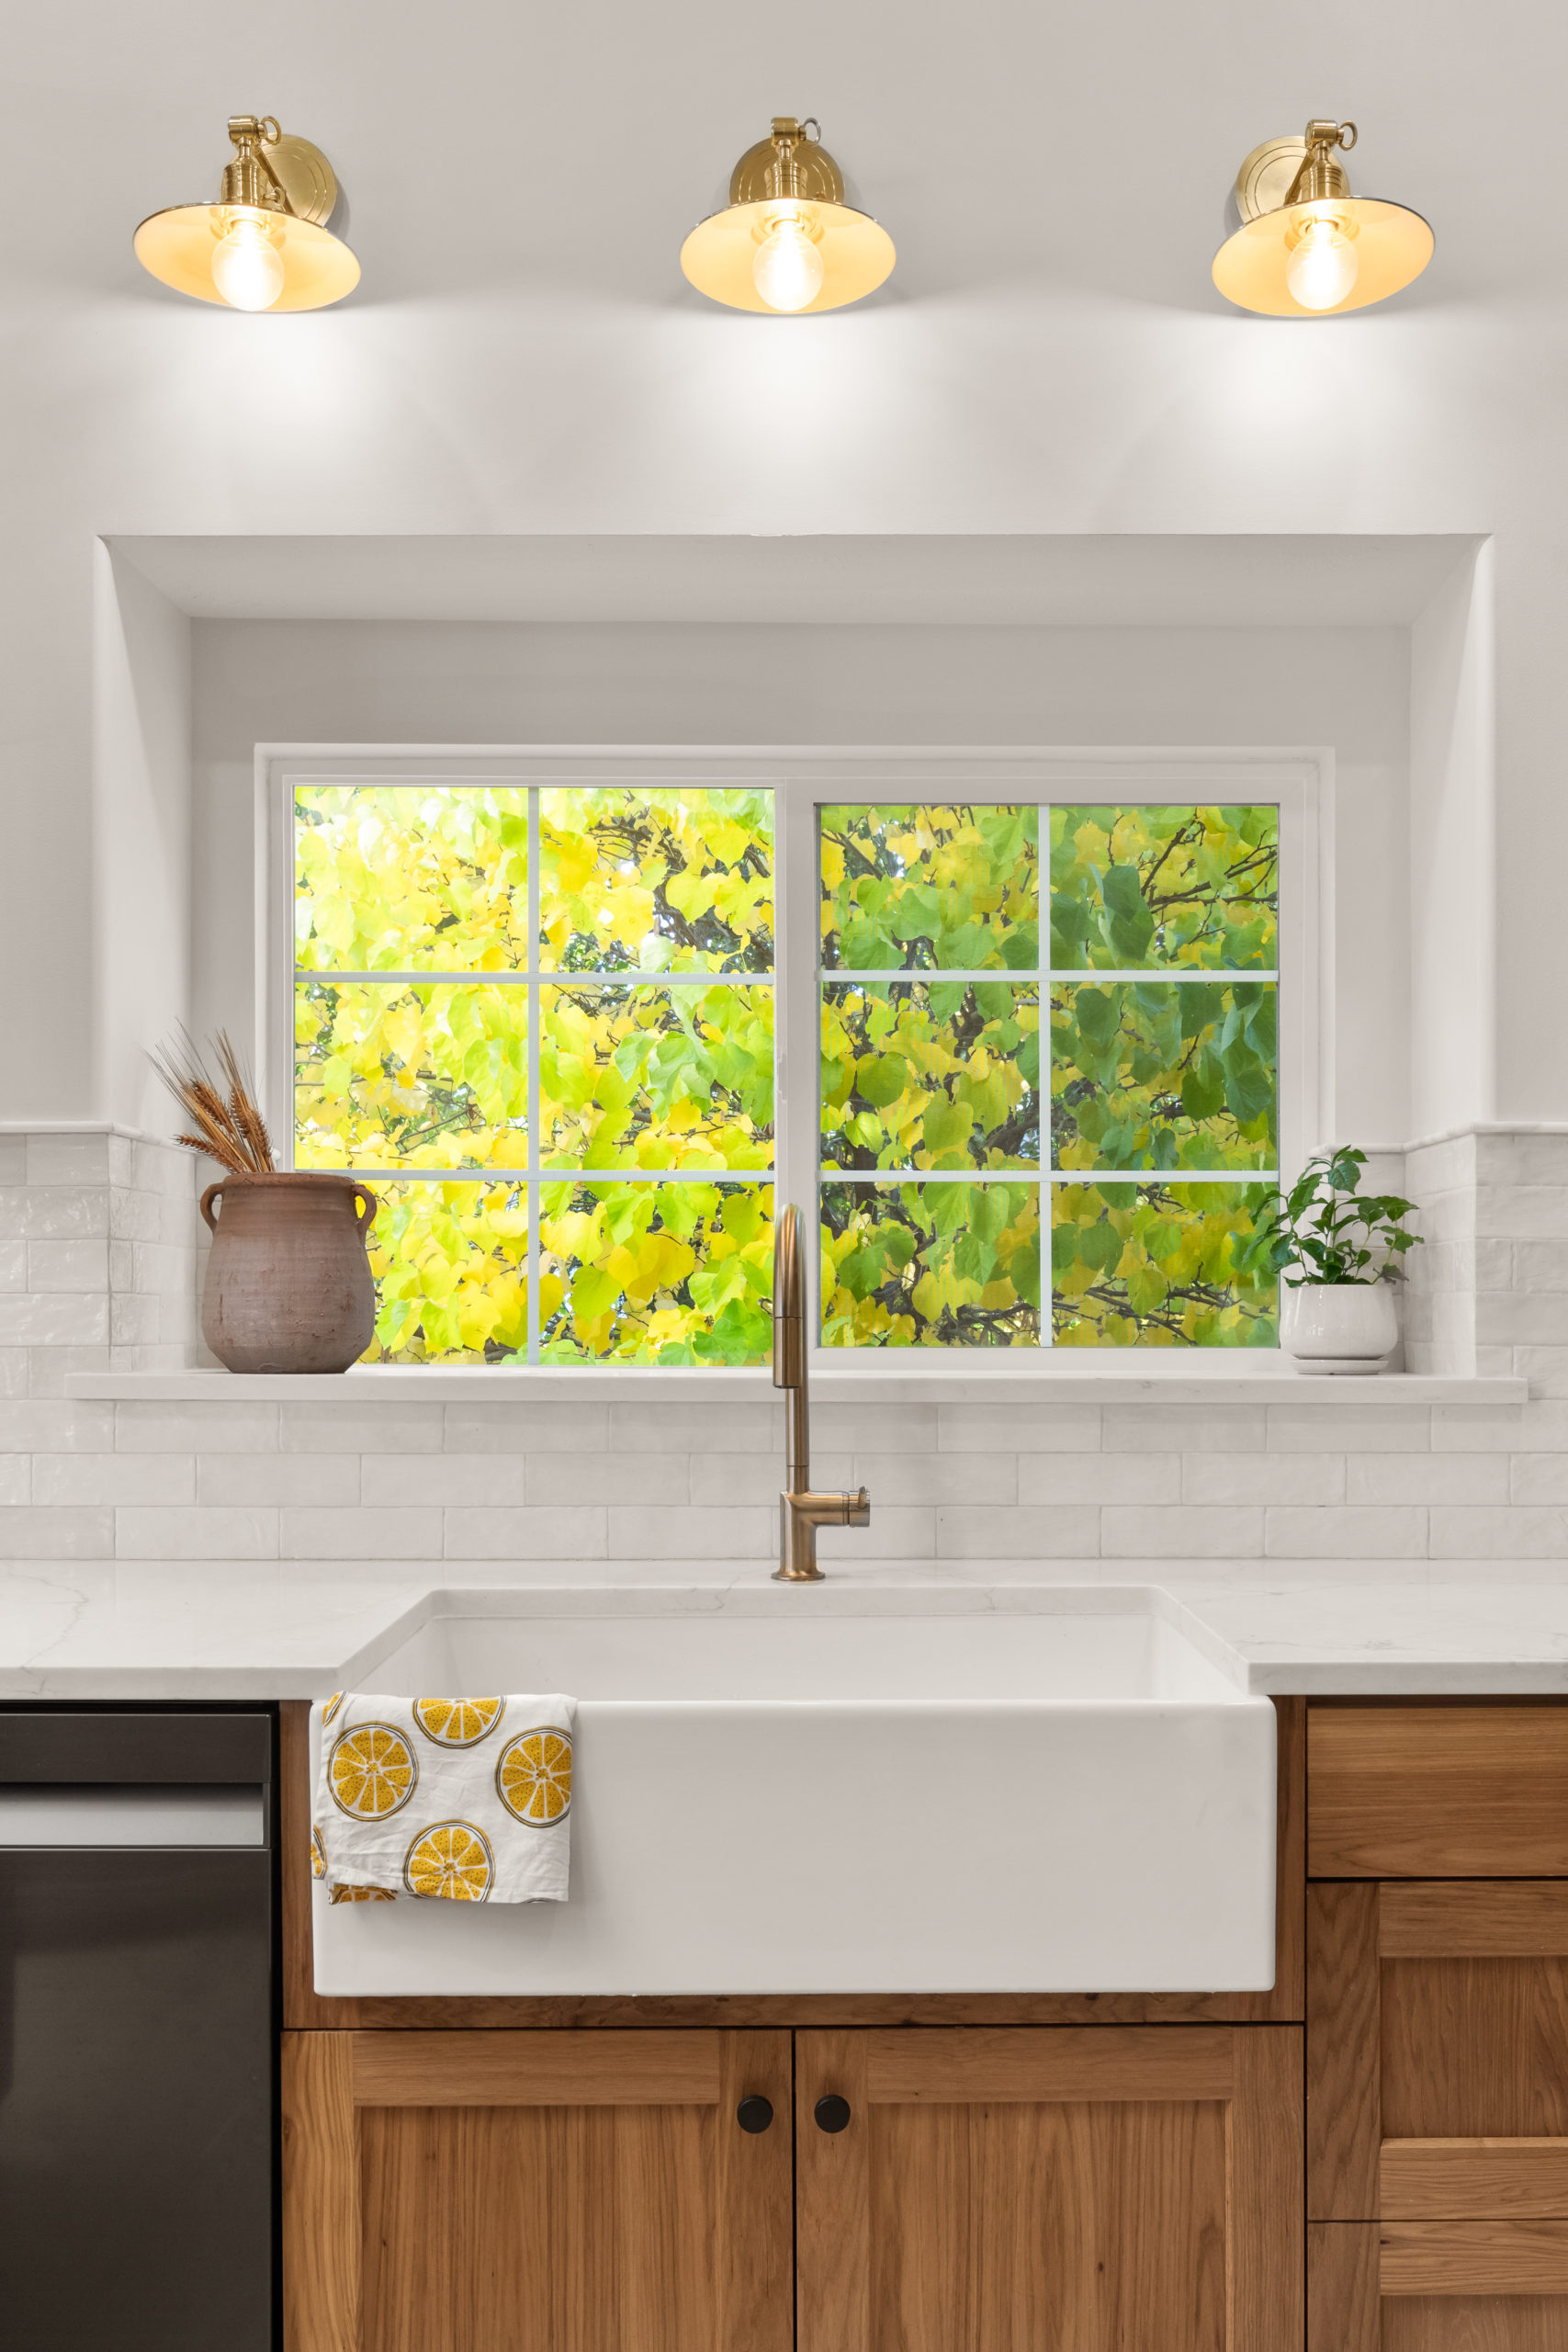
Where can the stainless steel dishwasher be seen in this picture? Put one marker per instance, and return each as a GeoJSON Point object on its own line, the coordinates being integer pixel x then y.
{"type": "Point", "coordinates": [136, 2031]}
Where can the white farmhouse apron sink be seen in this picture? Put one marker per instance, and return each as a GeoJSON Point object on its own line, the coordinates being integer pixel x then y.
{"type": "Point", "coordinates": [787, 1791]}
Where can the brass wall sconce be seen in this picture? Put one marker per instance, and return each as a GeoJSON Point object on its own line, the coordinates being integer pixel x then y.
{"type": "Point", "coordinates": [787, 242]}
{"type": "Point", "coordinates": [264, 244]}
{"type": "Point", "coordinates": [1306, 247]}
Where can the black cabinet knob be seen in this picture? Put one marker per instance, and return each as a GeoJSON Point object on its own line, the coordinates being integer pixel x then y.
{"type": "Point", "coordinates": [832, 2113]}
{"type": "Point", "coordinates": [754, 2112]}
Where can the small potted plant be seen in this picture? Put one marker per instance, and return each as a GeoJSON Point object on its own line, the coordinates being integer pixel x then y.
{"type": "Point", "coordinates": [1338, 1252]}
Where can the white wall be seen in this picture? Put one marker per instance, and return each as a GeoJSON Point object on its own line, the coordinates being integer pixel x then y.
{"type": "Point", "coordinates": [140, 843]}
{"type": "Point", "coordinates": [523, 355]}
{"type": "Point", "coordinates": [390, 683]}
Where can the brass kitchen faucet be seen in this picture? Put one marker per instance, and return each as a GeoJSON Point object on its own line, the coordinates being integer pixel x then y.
{"type": "Point", "coordinates": [801, 1512]}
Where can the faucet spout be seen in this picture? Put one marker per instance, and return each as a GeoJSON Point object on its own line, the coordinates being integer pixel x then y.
{"type": "Point", "coordinates": [801, 1512]}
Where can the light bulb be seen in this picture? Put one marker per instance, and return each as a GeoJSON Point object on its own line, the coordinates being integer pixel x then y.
{"type": "Point", "coordinates": [788, 267]}
{"type": "Point", "coordinates": [247, 267]}
{"type": "Point", "coordinates": [1322, 268]}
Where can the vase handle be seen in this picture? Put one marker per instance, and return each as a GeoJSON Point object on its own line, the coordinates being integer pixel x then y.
{"type": "Point", "coordinates": [366, 1205]}
{"type": "Point", "coordinates": [208, 1198]}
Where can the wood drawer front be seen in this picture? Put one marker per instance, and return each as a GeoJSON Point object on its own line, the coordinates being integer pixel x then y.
{"type": "Point", "coordinates": [1438, 1792]}
{"type": "Point", "coordinates": [1437, 2287]}
{"type": "Point", "coordinates": [1437, 2051]}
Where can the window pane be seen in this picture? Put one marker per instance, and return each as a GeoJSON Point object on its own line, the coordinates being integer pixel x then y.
{"type": "Point", "coordinates": [919, 1074]}
{"type": "Point", "coordinates": [1159, 887]}
{"type": "Point", "coordinates": [1160, 1266]}
{"type": "Point", "coordinates": [402, 879]}
{"type": "Point", "coordinates": [656, 1078]}
{"type": "Point", "coordinates": [656, 881]}
{"type": "Point", "coordinates": [922, 888]}
{"type": "Point", "coordinates": [951, 1265]}
{"type": "Point", "coordinates": [1156, 1074]}
{"type": "Point", "coordinates": [451, 1268]}
{"type": "Point", "coordinates": [656, 1274]}
{"type": "Point", "coordinates": [430, 1076]}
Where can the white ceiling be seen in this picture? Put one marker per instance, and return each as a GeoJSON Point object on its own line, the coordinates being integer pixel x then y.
{"type": "Point", "coordinates": [1087, 582]}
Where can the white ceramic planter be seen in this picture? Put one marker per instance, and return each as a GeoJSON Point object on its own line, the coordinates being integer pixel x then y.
{"type": "Point", "coordinates": [1338, 1327]}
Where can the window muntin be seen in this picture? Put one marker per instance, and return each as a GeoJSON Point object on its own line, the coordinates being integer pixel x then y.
{"type": "Point", "coordinates": [1163, 1172]}
{"type": "Point", "coordinates": [1165, 1067]}
{"type": "Point", "coordinates": [542, 1019]}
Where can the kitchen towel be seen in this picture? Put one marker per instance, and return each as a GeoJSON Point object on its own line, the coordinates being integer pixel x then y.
{"type": "Point", "coordinates": [453, 1800]}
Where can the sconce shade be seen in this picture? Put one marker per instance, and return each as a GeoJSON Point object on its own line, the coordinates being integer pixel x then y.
{"type": "Point", "coordinates": [790, 179]}
{"type": "Point", "coordinates": [277, 193]}
{"type": "Point", "coordinates": [1391, 245]}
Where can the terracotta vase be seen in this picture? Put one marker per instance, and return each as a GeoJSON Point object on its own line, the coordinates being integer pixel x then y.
{"type": "Point", "coordinates": [289, 1285]}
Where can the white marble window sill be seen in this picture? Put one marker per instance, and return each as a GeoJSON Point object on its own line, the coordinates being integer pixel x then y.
{"type": "Point", "coordinates": [1111, 1383]}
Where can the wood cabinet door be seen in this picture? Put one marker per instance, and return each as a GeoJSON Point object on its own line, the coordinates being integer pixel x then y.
{"type": "Point", "coordinates": [1050, 2189]}
{"type": "Point", "coordinates": [537, 2192]}
{"type": "Point", "coordinates": [1437, 2116]}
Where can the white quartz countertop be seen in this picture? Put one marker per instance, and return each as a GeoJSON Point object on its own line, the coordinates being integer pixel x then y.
{"type": "Point", "coordinates": [292, 1630]}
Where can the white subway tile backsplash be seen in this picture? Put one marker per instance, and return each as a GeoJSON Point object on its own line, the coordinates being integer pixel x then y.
{"type": "Point", "coordinates": [936, 1478]}
{"type": "Point", "coordinates": [1546, 1369]}
{"type": "Point", "coordinates": [56, 1425]}
{"type": "Point", "coordinates": [1262, 1477]}
{"type": "Point", "coordinates": [1187, 1429]}
{"type": "Point", "coordinates": [377, 1426]}
{"type": "Point", "coordinates": [528, 1429]}
{"type": "Point", "coordinates": [1426, 1478]}
{"type": "Point", "coordinates": [1516, 1532]}
{"type": "Point", "coordinates": [151, 1532]}
{"type": "Point", "coordinates": [1067, 1531]}
{"type": "Point", "coordinates": [13, 1264]}
{"type": "Point", "coordinates": [713, 1429]}
{"type": "Point", "coordinates": [49, 1368]}
{"type": "Point", "coordinates": [1213, 1532]}
{"type": "Point", "coordinates": [68, 1265]}
{"type": "Point", "coordinates": [1350, 1429]}
{"type": "Point", "coordinates": [374, 1531]}
{"type": "Point", "coordinates": [67, 1159]}
{"type": "Point", "coordinates": [15, 1479]}
{"type": "Point", "coordinates": [168, 1427]}
{"type": "Point", "coordinates": [1522, 1212]}
{"type": "Point", "coordinates": [1098, 1479]}
{"type": "Point", "coordinates": [875, 1428]}
{"type": "Point", "coordinates": [114, 1478]}
{"type": "Point", "coordinates": [1019, 1428]}
{"type": "Point", "coordinates": [737, 1533]}
{"type": "Point", "coordinates": [53, 1319]}
{"type": "Point", "coordinates": [1533, 1478]}
{"type": "Point", "coordinates": [503, 1533]}
{"type": "Point", "coordinates": [13, 1159]}
{"type": "Point", "coordinates": [1294, 1533]}
{"type": "Point", "coordinates": [442, 1479]}
{"type": "Point", "coordinates": [29, 1531]}
{"type": "Point", "coordinates": [595, 1478]}
{"type": "Point", "coordinates": [277, 1478]}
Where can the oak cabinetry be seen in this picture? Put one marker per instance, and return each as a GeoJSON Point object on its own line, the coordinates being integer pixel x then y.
{"type": "Point", "coordinates": [1438, 2029]}
{"type": "Point", "coordinates": [1107, 2188]}
{"type": "Point", "coordinates": [535, 2192]}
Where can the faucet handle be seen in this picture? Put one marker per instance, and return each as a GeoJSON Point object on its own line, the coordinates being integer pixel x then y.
{"type": "Point", "coordinates": [859, 1511]}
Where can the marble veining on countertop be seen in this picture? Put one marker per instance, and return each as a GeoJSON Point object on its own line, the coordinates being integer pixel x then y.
{"type": "Point", "coordinates": [184, 1630]}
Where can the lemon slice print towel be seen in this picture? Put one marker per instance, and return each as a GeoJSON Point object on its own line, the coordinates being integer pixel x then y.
{"type": "Point", "coordinates": [445, 1800]}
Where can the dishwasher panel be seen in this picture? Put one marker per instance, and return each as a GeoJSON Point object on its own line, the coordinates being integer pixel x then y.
{"type": "Point", "coordinates": [136, 2039]}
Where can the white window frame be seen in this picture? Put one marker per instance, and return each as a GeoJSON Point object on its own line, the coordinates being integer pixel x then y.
{"type": "Point", "coordinates": [803, 778]}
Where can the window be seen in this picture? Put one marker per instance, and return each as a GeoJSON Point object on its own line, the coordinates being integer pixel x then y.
{"type": "Point", "coordinates": [1149, 943]}
{"type": "Point", "coordinates": [1051, 1049]}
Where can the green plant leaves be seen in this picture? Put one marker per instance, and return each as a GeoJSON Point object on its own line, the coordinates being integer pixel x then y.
{"type": "Point", "coordinates": [1171, 886]}
{"type": "Point", "coordinates": [930, 1265]}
